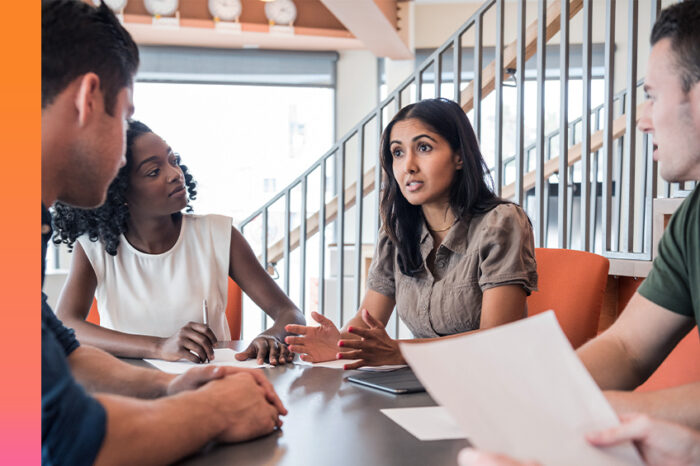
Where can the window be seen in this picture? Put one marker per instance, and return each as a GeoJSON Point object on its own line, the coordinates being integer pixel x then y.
{"type": "Point", "coordinates": [241, 143]}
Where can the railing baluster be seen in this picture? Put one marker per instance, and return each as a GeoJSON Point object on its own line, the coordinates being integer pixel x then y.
{"type": "Point", "coordinates": [322, 241]}
{"type": "Point", "coordinates": [378, 174]}
{"type": "Point", "coordinates": [617, 211]}
{"type": "Point", "coordinates": [358, 214]}
{"type": "Point", "coordinates": [539, 153]}
{"type": "Point", "coordinates": [340, 225]}
{"type": "Point", "coordinates": [287, 230]}
{"type": "Point", "coordinates": [563, 192]}
{"type": "Point", "coordinates": [520, 106]}
{"type": "Point", "coordinates": [263, 320]}
{"type": "Point", "coordinates": [586, 128]}
{"type": "Point", "coordinates": [655, 8]}
{"type": "Point", "coordinates": [478, 55]}
{"type": "Point", "coordinates": [302, 246]}
{"type": "Point", "coordinates": [498, 143]}
{"type": "Point", "coordinates": [419, 84]}
{"type": "Point", "coordinates": [631, 118]}
{"type": "Point", "coordinates": [457, 68]}
{"type": "Point", "coordinates": [547, 185]}
{"type": "Point", "coordinates": [438, 75]}
{"type": "Point", "coordinates": [606, 197]}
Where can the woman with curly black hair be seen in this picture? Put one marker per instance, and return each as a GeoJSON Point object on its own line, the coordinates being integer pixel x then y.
{"type": "Point", "coordinates": [150, 266]}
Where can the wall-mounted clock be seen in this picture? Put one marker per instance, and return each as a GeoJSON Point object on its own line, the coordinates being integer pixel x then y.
{"type": "Point", "coordinates": [225, 10]}
{"type": "Point", "coordinates": [161, 7]}
{"type": "Point", "coordinates": [116, 6]}
{"type": "Point", "coordinates": [282, 12]}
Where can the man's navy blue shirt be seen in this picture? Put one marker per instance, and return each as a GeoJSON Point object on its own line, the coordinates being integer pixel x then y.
{"type": "Point", "coordinates": [72, 422]}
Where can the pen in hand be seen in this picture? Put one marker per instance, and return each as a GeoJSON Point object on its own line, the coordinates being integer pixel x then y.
{"type": "Point", "coordinates": [205, 319]}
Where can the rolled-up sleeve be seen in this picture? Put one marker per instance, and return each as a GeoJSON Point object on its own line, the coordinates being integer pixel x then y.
{"type": "Point", "coordinates": [73, 424]}
{"type": "Point", "coordinates": [381, 273]}
{"type": "Point", "coordinates": [507, 252]}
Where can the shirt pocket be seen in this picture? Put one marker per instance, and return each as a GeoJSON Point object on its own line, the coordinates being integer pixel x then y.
{"type": "Point", "coordinates": [457, 308]}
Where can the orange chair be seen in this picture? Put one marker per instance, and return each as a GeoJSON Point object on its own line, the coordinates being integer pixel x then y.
{"type": "Point", "coordinates": [234, 304]}
{"type": "Point", "coordinates": [572, 283]}
{"type": "Point", "coordinates": [680, 367]}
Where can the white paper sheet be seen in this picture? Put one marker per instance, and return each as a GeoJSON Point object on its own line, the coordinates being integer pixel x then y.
{"type": "Point", "coordinates": [222, 357]}
{"type": "Point", "coordinates": [335, 364]}
{"type": "Point", "coordinates": [426, 423]}
{"type": "Point", "coordinates": [520, 389]}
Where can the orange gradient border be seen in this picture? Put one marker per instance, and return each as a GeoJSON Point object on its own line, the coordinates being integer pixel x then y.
{"type": "Point", "coordinates": [20, 279]}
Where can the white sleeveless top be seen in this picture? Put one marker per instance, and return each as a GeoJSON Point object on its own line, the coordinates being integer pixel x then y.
{"type": "Point", "coordinates": [156, 294]}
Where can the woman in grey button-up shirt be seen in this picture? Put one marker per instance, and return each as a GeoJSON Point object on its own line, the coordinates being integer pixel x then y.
{"type": "Point", "coordinates": [452, 257]}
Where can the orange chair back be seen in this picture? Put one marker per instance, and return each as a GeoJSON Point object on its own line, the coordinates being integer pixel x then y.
{"type": "Point", "coordinates": [680, 367]}
{"type": "Point", "coordinates": [572, 283]}
{"type": "Point", "coordinates": [234, 305]}
{"type": "Point", "coordinates": [94, 315]}
{"type": "Point", "coordinates": [234, 308]}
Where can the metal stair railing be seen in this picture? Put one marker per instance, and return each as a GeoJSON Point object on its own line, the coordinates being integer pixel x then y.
{"type": "Point", "coordinates": [529, 42]}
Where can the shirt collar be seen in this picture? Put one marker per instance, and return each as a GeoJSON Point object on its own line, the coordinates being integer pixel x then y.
{"type": "Point", "coordinates": [455, 240]}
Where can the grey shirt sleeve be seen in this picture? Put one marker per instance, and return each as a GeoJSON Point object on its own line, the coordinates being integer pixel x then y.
{"type": "Point", "coordinates": [507, 250]}
{"type": "Point", "coordinates": [381, 273]}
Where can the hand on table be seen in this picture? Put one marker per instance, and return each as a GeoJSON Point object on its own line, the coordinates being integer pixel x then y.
{"type": "Point", "coordinates": [266, 346]}
{"type": "Point", "coordinates": [659, 442]}
{"type": "Point", "coordinates": [314, 344]}
{"type": "Point", "coordinates": [374, 347]}
{"type": "Point", "coordinates": [245, 405]}
{"type": "Point", "coordinates": [194, 342]}
{"type": "Point", "coordinates": [200, 376]}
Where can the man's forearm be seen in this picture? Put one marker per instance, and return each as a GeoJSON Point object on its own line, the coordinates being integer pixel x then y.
{"type": "Point", "coordinates": [610, 365]}
{"type": "Point", "coordinates": [677, 404]}
{"type": "Point", "coordinates": [99, 371]}
{"type": "Point", "coordinates": [157, 432]}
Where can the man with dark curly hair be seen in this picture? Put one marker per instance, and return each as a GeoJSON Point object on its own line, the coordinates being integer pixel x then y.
{"type": "Point", "coordinates": [95, 408]}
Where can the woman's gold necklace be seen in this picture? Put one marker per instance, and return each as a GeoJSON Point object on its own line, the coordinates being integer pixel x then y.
{"type": "Point", "coordinates": [442, 229]}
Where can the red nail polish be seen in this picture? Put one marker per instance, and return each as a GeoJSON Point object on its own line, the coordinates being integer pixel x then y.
{"type": "Point", "coordinates": [340, 343]}
{"type": "Point", "coordinates": [349, 329]}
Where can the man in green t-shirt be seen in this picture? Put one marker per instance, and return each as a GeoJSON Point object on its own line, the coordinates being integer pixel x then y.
{"type": "Point", "coordinates": [667, 305]}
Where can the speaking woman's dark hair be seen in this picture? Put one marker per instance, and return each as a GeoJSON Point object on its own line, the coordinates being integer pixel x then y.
{"type": "Point", "coordinates": [107, 222]}
{"type": "Point", "coordinates": [471, 191]}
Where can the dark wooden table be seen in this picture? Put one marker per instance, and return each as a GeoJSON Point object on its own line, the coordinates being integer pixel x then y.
{"type": "Point", "coordinates": [332, 422]}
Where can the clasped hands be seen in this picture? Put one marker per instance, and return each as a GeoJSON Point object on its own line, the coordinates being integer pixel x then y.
{"type": "Point", "coordinates": [372, 347]}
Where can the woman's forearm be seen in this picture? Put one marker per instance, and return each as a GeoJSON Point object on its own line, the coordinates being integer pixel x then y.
{"type": "Point", "coordinates": [290, 315]}
{"type": "Point", "coordinates": [117, 343]}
